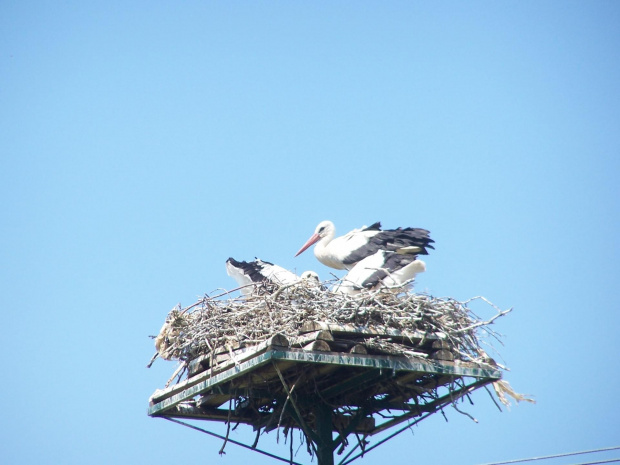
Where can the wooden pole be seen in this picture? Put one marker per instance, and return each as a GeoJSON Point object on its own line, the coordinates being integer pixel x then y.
{"type": "Point", "coordinates": [325, 441]}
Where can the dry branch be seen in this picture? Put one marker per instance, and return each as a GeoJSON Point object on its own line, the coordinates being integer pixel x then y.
{"type": "Point", "coordinates": [216, 325]}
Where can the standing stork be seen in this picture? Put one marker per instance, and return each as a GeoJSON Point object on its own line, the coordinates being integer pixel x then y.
{"type": "Point", "coordinates": [345, 251]}
{"type": "Point", "coordinates": [384, 269]}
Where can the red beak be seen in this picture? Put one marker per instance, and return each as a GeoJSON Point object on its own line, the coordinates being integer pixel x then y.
{"type": "Point", "coordinates": [313, 239]}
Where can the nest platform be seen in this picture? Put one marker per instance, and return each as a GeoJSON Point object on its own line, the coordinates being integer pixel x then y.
{"type": "Point", "coordinates": [329, 366]}
{"type": "Point", "coordinates": [261, 382]}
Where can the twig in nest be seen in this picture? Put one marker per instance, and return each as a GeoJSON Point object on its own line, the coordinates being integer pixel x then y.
{"type": "Point", "coordinates": [302, 423]}
{"type": "Point", "coordinates": [214, 326]}
{"type": "Point", "coordinates": [464, 413]}
{"type": "Point", "coordinates": [176, 372]}
{"type": "Point", "coordinates": [284, 406]}
{"type": "Point", "coordinates": [484, 323]}
{"type": "Point", "coordinates": [227, 426]}
{"type": "Point", "coordinates": [153, 359]}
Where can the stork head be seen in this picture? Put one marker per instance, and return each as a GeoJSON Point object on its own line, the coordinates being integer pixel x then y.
{"type": "Point", "coordinates": [310, 276]}
{"type": "Point", "coordinates": [324, 229]}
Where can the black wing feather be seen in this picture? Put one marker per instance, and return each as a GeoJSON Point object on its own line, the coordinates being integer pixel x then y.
{"type": "Point", "coordinates": [393, 240]}
{"type": "Point", "coordinates": [394, 262]}
{"type": "Point", "coordinates": [251, 269]}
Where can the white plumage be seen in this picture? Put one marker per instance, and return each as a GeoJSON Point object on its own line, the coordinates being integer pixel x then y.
{"type": "Point", "coordinates": [345, 251]}
{"type": "Point", "coordinates": [383, 269]}
{"type": "Point", "coordinates": [258, 271]}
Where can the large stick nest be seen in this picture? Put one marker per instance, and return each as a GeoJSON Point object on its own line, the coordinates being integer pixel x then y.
{"type": "Point", "coordinates": [214, 323]}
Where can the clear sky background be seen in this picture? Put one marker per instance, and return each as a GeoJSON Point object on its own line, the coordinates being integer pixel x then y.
{"type": "Point", "coordinates": [143, 143]}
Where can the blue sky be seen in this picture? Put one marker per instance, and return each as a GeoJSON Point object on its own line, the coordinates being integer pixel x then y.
{"type": "Point", "coordinates": [144, 144]}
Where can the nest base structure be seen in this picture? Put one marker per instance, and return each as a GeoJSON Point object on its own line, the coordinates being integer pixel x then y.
{"type": "Point", "coordinates": [327, 394]}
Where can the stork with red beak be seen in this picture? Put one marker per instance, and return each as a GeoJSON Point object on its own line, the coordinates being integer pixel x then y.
{"type": "Point", "coordinates": [345, 251]}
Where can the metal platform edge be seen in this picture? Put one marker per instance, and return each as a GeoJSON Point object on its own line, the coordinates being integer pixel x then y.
{"type": "Point", "coordinates": [163, 400]}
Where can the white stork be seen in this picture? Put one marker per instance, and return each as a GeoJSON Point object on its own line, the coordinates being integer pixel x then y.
{"type": "Point", "coordinates": [258, 271]}
{"type": "Point", "coordinates": [311, 276]}
{"type": "Point", "coordinates": [383, 269]}
{"type": "Point", "coordinates": [345, 251]}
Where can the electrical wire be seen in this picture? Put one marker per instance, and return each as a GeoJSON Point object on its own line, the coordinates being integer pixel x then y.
{"type": "Point", "coordinates": [600, 461]}
{"type": "Point", "coordinates": [289, 461]}
{"type": "Point", "coordinates": [568, 454]}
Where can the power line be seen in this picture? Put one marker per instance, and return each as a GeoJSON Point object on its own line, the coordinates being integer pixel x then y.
{"type": "Point", "coordinates": [600, 461]}
{"type": "Point", "coordinates": [290, 461]}
{"type": "Point", "coordinates": [568, 454]}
